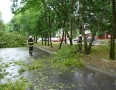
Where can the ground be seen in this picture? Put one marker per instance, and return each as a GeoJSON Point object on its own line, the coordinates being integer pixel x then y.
{"type": "Point", "coordinates": [98, 58]}
{"type": "Point", "coordinates": [43, 72]}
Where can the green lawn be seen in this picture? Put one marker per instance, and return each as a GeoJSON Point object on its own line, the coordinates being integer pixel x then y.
{"type": "Point", "coordinates": [99, 56]}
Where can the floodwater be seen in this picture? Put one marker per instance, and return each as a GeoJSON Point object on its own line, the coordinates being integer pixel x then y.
{"type": "Point", "coordinates": [50, 78]}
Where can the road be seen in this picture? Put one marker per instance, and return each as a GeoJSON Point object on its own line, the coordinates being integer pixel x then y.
{"type": "Point", "coordinates": [50, 78]}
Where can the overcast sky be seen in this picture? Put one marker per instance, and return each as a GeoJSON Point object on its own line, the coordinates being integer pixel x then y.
{"type": "Point", "coordinates": [5, 10]}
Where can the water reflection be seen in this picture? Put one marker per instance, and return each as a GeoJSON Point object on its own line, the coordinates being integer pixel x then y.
{"type": "Point", "coordinates": [51, 78]}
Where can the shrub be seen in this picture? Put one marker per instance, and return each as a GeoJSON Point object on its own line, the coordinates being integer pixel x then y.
{"type": "Point", "coordinates": [66, 56]}
{"type": "Point", "coordinates": [14, 40]}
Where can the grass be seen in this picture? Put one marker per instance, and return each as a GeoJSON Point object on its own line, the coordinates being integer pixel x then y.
{"type": "Point", "coordinates": [53, 49]}
{"type": "Point", "coordinates": [99, 56]}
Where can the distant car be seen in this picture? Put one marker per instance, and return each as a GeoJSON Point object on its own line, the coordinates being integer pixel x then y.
{"type": "Point", "coordinates": [44, 39]}
{"type": "Point", "coordinates": [40, 39]}
{"type": "Point", "coordinates": [75, 39]}
{"type": "Point", "coordinates": [89, 38]}
{"type": "Point", "coordinates": [55, 39]}
{"type": "Point", "coordinates": [64, 39]}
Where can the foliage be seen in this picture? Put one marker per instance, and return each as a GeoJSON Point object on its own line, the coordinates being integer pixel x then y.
{"type": "Point", "coordinates": [73, 62]}
{"type": "Point", "coordinates": [15, 85]}
{"type": "Point", "coordinates": [2, 25]}
{"type": "Point", "coordinates": [21, 70]}
{"type": "Point", "coordinates": [3, 71]}
{"type": "Point", "coordinates": [45, 17]}
{"type": "Point", "coordinates": [66, 57]}
{"type": "Point", "coordinates": [64, 54]}
{"type": "Point", "coordinates": [34, 66]}
{"type": "Point", "coordinates": [12, 40]}
{"type": "Point", "coordinates": [26, 18]}
{"type": "Point", "coordinates": [1, 75]}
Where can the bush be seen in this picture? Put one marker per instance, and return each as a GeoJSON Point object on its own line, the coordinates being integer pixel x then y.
{"type": "Point", "coordinates": [67, 57]}
{"type": "Point", "coordinates": [13, 40]}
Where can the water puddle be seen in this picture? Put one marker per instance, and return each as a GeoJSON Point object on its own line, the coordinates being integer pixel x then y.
{"type": "Point", "coordinates": [49, 78]}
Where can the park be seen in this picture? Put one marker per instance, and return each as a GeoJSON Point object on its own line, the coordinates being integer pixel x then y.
{"type": "Point", "coordinates": [74, 45]}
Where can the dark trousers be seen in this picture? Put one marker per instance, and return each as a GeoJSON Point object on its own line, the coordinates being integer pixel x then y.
{"type": "Point", "coordinates": [30, 48]}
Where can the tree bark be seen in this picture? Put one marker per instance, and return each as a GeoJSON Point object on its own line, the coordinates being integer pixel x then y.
{"type": "Point", "coordinates": [112, 43]}
{"type": "Point", "coordinates": [61, 40]}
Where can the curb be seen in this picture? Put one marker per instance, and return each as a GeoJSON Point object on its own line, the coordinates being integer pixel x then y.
{"type": "Point", "coordinates": [101, 71]}
{"type": "Point", "coordinates": [50, 52]}
{"type": "Point", "coordinates": [86, 66]}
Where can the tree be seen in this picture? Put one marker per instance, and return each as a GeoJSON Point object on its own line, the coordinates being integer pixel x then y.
{"type": "Point", "coordinates": [113, 32]}
{"type": "Point", "coordinates": [45, 17]}
{"type": "Point", "coordinates": [2, 25]}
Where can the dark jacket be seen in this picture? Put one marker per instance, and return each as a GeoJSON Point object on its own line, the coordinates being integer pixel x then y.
{"type": "Point", "coordinates": [30, 41]}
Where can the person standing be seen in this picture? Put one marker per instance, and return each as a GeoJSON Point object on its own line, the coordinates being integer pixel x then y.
{"type": "Point", "coordinates": [30, 43]}
{"type": "Point", "coordinates": [80, 43]}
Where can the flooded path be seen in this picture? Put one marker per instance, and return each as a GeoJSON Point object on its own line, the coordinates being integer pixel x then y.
{"type": "Point", "coordinates": [50, 78]}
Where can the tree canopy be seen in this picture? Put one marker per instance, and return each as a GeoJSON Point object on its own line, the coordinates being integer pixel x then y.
{"type": "Point", "coordinates": [72, 17]}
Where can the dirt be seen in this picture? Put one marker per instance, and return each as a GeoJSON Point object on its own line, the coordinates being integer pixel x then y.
{"type": "Point", "coordinates": [101, 63]}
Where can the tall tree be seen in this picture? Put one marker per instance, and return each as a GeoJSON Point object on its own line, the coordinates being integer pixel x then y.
{"type": "Point", "coordinates": [94, 15]}
{"type": "Point", "coordinates": [113, 32]}
{"type": "Point", "coordinates": [2, 25]}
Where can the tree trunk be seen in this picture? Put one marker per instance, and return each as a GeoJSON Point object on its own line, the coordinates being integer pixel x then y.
{"type": "Point", "coordinates": [71, 33]}
{"type": "Point", "coordinates": [112, 43]}
{"type": "Point", "coordinates": [35, 38]}
{"type": "Point", "coordinates": [91, 42]}
{"type": "Point", "coordinates": [50, 33]}
{"type": "Point", "coordinates": [69, 37]}
{"type": "Point", "coordinates": [61, 40]}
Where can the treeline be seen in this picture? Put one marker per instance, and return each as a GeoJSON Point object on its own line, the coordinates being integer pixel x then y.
{"type": "Point", "coordinates": [44, 18]}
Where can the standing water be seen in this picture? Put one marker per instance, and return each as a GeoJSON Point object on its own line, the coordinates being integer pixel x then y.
{"type": "Point", "coordinates": [50, 78]}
